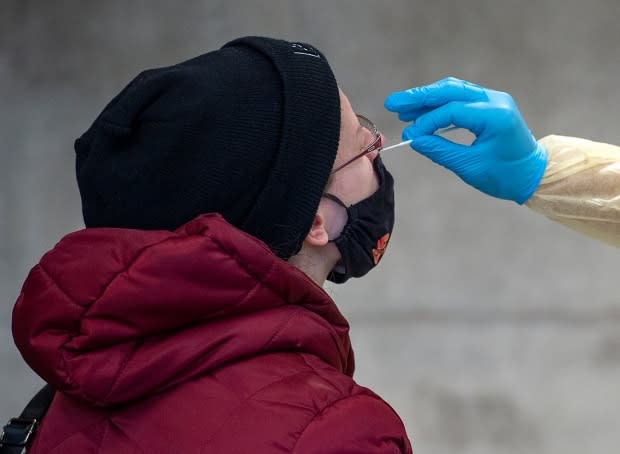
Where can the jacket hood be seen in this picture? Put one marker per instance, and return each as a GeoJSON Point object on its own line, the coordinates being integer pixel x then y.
{"type": "Point", "coordinates": [112, 315]}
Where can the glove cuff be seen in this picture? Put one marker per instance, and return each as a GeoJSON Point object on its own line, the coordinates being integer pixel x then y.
{"type": "Point", "coordinates": [538, 163]}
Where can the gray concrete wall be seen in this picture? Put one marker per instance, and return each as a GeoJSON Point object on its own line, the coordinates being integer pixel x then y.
{"type": "Point", "coordinates": [487, 327]}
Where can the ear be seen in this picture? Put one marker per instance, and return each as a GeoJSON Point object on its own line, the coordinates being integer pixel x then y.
{"type": "Point", "coordinates": [318, 234]}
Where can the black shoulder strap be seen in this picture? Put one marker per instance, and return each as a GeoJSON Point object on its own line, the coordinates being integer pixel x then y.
{"type": "Point", "coordinates": [19, 431]}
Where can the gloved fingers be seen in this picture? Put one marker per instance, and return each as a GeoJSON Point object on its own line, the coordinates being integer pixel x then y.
{"type": "Point", "coordinates": [434, 95]}
{"type": "Point", "coordinates": [459, 114]}
{"type": "Point", "coordinates": [440, 150]}
{"type": "Point", "coordinates": [413, 114]}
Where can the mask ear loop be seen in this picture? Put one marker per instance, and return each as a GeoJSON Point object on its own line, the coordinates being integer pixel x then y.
{"type": "Point", "coordinates": [333, 198]}
{"type": "Point", "coordinates": [336, 200]}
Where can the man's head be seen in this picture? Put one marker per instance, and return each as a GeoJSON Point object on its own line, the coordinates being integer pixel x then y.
{"type": "Point", "coordinates": [250, 131]}
{"type": "Point", "coordinates": [253, 131]}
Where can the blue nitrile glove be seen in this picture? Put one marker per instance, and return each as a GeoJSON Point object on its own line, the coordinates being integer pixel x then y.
{"type": "Point", "coordinates": [504, 161]}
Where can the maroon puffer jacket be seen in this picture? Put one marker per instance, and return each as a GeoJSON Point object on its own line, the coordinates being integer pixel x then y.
{"type": "Point", "coordinates": [194, 341]}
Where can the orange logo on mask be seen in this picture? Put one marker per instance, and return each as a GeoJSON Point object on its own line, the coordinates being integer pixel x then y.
{"type": "Point", "coordinates": [379, 249]}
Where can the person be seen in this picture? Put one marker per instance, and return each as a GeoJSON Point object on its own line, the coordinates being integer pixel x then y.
{"type": "Point", "coordinates": [571, 180]}
{"type": "Point", "coordinates": [189, 316]}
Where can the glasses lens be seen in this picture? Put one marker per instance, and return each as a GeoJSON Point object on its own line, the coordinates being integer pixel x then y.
{"type": "Point", "coordinates": [375, 143]}
{"type": "Point", "coordinates": [366, 123]}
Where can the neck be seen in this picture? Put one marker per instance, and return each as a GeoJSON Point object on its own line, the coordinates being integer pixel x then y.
{"type": "Point", "coordinates": [316, 262]}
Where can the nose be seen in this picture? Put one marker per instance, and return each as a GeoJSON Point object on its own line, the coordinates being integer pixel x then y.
{"type": "Point", "coordinates": [373, 154]}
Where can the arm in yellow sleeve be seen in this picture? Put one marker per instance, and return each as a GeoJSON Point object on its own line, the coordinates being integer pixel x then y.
{"type": "Point", "coordinates": [581, 187]}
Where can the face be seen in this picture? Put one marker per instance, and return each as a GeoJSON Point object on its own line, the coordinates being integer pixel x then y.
{"type": "Point", "coordinates": [355, 182]}
{"type": "Point", "coordinates": [355, 216]}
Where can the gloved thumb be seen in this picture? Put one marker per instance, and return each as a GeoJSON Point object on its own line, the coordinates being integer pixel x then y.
{"type": "Point", "coordinates": [436, 148]}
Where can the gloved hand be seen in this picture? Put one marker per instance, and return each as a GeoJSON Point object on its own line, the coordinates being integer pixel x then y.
{"type": "Point", "coordinates": [504, 161]}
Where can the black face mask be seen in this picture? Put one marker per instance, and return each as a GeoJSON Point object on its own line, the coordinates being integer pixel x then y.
{"type": "Point", "coordinates": [366, 234]}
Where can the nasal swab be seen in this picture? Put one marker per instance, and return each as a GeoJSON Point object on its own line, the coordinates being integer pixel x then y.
{"type": "Point", "coordinates": [407, 142]}
{"type": "Point", "coordinates": [402, 144]}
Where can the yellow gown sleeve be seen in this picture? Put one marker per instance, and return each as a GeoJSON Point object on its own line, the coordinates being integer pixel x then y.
{"type": "Point", "coordinates": [581, 187]}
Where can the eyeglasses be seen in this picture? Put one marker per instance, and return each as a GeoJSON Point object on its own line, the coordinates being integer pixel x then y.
{"type": "Point", "coordinates": [376, 144]}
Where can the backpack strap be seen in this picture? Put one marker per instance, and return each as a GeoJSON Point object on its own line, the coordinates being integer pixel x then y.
{"type": "Point", "coordinates": [18, 432]}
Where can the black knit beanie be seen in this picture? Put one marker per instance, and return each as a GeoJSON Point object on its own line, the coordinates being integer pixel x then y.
{"type": "Point", "coordinates": [249, 131]}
